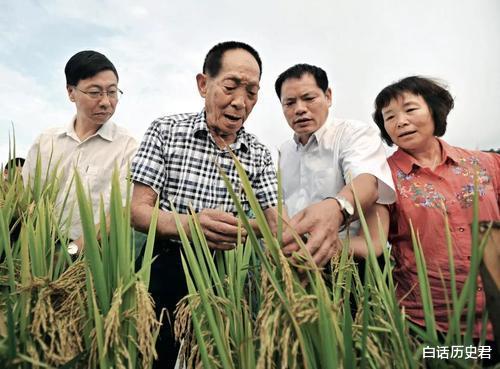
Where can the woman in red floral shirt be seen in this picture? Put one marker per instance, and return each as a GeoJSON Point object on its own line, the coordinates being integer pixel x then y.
{"type": "Point", "coordinates": [432, 178]}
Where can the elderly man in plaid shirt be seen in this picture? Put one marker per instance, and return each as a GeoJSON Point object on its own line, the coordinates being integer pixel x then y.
{"type": "Point", "coordinates": [179, 159]}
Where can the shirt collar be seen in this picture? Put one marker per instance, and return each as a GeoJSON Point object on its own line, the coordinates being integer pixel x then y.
{"type": "Point", "coordinates": [406, 162]}
{"type": "Point", "coordinates": [200, 130]}
{"type": "Point", "coordinates": [318, 134]}
{"type": "Point", "coordinates": [321, 131]}
{"type": "Point", "coordinates": [449, 152]}
{"type": "Point", "coordinates": [106, 131]}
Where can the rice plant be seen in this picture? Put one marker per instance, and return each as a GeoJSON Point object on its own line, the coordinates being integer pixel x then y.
{"type": "Point", "coordinates": [94, 312]}
{"type": "Point", "coordinates": [252, 307]}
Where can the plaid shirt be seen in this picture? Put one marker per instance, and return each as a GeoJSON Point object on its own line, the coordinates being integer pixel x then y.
{"type": "Point", "coordinates": [179, 160]}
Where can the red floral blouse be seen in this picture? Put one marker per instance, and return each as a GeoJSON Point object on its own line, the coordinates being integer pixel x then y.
{"type": "Point", "coordinates": [423, 195]}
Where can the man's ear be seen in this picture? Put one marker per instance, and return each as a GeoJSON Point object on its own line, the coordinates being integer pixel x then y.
{"type": "Point", "coordinates": [201, 80]}
{"type": "Point", "coordinates": [328, 94]}
{"type": "Point", "coordinates": [71, 92]}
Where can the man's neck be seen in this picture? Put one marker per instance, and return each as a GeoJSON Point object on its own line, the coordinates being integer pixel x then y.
{"type": "Point", "coordinates": [304, 139]}
{"type": "Point", "coordinates": [85, 129]}
{"type": "Point", "coordinates": [222, 140]}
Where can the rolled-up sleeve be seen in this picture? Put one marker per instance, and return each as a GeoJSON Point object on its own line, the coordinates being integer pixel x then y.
{"type": "Point", "coordinates": [148, 165]}
{"type": "Point", "coordinates": [266, 184]}
{"type": "Point", "coordinates": [363, 152]}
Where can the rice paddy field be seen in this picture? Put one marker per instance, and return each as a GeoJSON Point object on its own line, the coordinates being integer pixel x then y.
{"type": "Point", "coordinates": [247, 308]}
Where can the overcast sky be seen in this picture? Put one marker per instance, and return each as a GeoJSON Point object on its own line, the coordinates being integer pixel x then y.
{"type": "Point", "coordinates": [159, 46]}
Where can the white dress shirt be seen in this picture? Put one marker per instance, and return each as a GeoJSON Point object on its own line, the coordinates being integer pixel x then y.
{"type": "Point", "coordinates": [95, 158]}
{"type": "Point", "coordinates": [334, 155]}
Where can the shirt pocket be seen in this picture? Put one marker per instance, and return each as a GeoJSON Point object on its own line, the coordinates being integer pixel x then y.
{"type": "Point", "coordinates": [323, 183]}
{"type": "Point", "coordinates": [97, 179]}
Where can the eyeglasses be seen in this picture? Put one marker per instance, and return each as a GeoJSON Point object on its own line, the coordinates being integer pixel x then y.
{"type": "Point", "coordinates": [112, 94]}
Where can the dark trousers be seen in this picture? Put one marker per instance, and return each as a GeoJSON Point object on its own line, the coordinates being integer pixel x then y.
{"type": "Point", "coordinates": [167, 287]}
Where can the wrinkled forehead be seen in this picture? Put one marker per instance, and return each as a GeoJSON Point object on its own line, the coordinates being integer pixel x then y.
{"type": "Point", "coordinates": [239, 63]}
{"type": "Point", "coordinates": [240, 77]}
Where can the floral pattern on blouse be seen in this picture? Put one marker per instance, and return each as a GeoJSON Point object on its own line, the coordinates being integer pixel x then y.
{"type": "Point", "coordinates": [426, 195]}
{"type": "Point", "coordinates": [467, 167]}
{"type": "Point", "coordinates": [453, 179]}
{"type": "Point", "coordinates": [422, 194]}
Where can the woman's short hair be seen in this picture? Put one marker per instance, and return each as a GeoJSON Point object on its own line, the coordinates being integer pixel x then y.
{"type": "Point", "coordinates": [435, 94]}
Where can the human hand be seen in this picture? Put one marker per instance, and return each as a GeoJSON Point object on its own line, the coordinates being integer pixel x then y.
{"type": "Point", "coordinates": [220, 229]}
{"type": "Point", "coordinates": [321, 221]}
{"type": "Point", "coordinates": [79, 242]}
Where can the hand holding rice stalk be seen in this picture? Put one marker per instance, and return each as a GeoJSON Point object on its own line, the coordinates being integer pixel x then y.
{"type": "Point", "coordinates": [247, 307]}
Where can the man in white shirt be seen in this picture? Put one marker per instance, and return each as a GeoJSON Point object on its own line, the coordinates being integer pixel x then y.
{"type": "Point", "coordinates": [89, 143]}
{"type": "Point", "coordinates": [325, 159]}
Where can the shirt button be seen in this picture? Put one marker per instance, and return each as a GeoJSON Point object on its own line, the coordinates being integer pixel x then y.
{"type": "Point", "coordinates": [461, 229]}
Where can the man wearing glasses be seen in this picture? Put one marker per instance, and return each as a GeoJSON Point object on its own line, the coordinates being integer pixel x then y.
{"type": "Point", "coordinates": [90, 143]}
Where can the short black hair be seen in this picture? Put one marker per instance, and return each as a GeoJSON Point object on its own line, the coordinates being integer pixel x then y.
{"type": "Point", "coordinates": [297, 71]}
{"type": "Point", "coordinates": [213, 60]}
{"type": "Point", "coordinates": [86, 64]}
{"type": "Point", "coordinates": [15, 162]}
{"type": "Point", "coordinates": [436, 96]}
